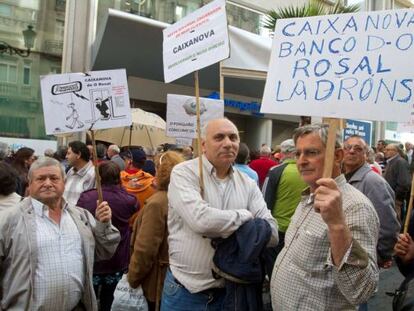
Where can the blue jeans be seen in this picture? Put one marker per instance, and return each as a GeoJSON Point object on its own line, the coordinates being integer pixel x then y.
{"type": "Point", "coordinates": [176, 297]}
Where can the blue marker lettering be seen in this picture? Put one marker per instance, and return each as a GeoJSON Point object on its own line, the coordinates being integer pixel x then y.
{"type": "Point", "coordinates": [404, 84]}
{"type": "Point", "coordinates": [364, 63]}
{"type": "Point", "coordinates": [284, 31]}
{"type": "Point", "coordinates": [321, 63]}
{"type": "Point", "coordinates": [331, 49]}
{"type": "Point", "coordinates": [343, 63]}
{"type": "Point", "coordinates": [328, 90]}
{"type": "Point", "coordinates": [370, 84]}
{"type": "Point", "coordinates": [400, 45]}
{"type": "Point", "coordinates": [347, 88]}
{"type": "Point", "coordinates": [304, 67]}
{"type": "Point", "coordinates": [390, 93]}
{"type": "Point", "coordinates": [285, 46]}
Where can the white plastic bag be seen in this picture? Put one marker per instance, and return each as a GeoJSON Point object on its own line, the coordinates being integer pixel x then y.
{"type": "Point", "coordinates": [127, 298]}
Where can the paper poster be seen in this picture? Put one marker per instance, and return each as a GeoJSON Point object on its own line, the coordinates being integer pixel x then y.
{"type": "Point", "coordinates": [74, 102]}
{"type": "Point", "coordinates": [181, 114]}
{"type": "Point", "coordinates": [198, 40]}
{"type": "Point", "coordinates": [354, 66]}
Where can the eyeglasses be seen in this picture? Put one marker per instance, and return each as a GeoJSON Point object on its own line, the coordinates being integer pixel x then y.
{"type": "Point", "coordinates": [357, 148]}
{"type": "Point", "coordinates": [308, 153]}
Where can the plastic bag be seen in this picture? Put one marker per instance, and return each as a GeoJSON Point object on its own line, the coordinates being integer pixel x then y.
{"type": "Point", "coordinates": [127, 298]}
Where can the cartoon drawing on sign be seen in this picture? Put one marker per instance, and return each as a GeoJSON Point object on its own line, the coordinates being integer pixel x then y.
{"type": "Point", "coordinates": [74, 115]}
{"type": "Point", "coordinates": [191, 109]}
{"type": "Point", "coordinates": [102, 106]}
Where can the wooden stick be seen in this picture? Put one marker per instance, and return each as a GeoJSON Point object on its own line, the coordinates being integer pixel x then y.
{"type": "Point", "coordinates": [330, 146]}
{"type": "Point", "coordinates": [410, 207]}
{"type": "Point", "coordinates": [221, 81]}
{"type": "Point", "coordinates": [95, 164]}
{"type": "Point", "coordinates": [200, 159]}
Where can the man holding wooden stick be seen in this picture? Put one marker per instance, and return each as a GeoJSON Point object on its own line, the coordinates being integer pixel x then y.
{"type": "Point", "coordinates": [230, 199]}
{"type": "Point", "coordinates": [329, 259]}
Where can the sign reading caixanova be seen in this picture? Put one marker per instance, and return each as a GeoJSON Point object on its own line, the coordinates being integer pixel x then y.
{"type": "Point", "coordinates": [197, 41]}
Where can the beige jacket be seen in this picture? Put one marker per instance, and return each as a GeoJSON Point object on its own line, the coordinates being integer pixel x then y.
{"type": "Point", "coordinates": [18, 253]}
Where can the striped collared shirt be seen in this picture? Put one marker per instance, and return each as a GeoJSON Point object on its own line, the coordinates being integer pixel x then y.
{"type": "Point", "coordinates": [59, 275]}
{"type": "Point", "coordinates": [192, 220]}
{"type": "Point", "coordinates": [304, 277]}
{"type": "Point", "coordinates": [78, 182]}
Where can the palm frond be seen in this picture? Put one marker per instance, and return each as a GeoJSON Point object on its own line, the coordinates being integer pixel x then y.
{"type": "Point", "coordinates": [312, 8]}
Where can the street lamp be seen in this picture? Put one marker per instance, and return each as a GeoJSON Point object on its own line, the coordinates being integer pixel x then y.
{"type": "Point", "coordinates": [29, 36]}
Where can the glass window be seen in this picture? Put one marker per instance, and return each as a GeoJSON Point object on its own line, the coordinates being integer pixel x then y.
{"type": "Point", "coordinates": [3, 72]}
{"type": "Point", "coordinates": [26, 75]}
{"type": "Point", "coordinates": [5, 9]}
{"type": "Point", "coordinates": [8, 72]}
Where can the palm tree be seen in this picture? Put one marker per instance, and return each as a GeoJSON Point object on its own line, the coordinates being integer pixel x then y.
{"type": "Point", "coordinates": [312, 8]}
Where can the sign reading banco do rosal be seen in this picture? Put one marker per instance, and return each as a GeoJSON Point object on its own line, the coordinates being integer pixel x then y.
{"type": "Point", "coordinates": [196, 41]}
{"type": "Point", "coordinates": [72, 102]}
{"type": "Point", "coordinates": [343, 66]}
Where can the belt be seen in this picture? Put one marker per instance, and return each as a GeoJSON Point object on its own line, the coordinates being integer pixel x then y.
{"type": "Point", "coordinates": [213, 290]}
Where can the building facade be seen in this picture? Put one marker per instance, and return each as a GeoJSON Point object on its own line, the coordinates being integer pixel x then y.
{"type": "Point", "coordinates": [65, 36]}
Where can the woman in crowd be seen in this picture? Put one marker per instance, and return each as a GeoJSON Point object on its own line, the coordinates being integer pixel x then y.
{"type": "Point", "coordinates": [149, 259]}
{"type": "Point", "coordinates": [8, 182]}
{"type": "Point", "coordinates": [107, 273]}
{"type": "Point", "coordinates": [22, 160]}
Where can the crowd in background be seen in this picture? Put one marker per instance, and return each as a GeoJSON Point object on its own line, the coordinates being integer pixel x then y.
{"type": "Point", "coordinates": [135, 182]}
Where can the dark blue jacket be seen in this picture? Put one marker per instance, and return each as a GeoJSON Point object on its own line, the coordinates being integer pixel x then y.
{"type": "Point", "coordinates": [238, 260]}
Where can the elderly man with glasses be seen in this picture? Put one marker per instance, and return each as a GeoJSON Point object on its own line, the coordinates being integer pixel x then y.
{"type": "Point", "coordinates": [360, 175]}
{"type": "Point", "coordinates": [329, 259]}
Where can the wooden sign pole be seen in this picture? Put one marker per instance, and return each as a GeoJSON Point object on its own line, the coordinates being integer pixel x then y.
{"type": "Point", "coordinates": [200, 159]}
{"type": "Point", "coordinates": [410, 208]}
{"type": "Point", "coordinates": [95, 164]}
{"type": "Point", "coordinates": [334, 125]}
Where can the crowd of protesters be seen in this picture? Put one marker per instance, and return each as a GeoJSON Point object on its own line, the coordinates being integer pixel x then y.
{"type": "Point", "coordinates": [209, 243]}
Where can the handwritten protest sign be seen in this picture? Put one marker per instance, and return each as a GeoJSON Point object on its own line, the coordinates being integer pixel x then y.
{"type": "Point", "coordinates": [343, 66]}
{"type": "Point", "coordinates": [407, 127]}
{"type": "Point", "coordinates": [72, 102]}
{"type": "Point", "coordinates": [181, 114]}
{"type": "Point", "coordinates": [198, 40]}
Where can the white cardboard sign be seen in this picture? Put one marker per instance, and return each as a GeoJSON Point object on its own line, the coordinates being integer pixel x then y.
{"type": "Point", "coordinates": [355, 66]}
{"type": "Point", "coordinates": [181, 114]}
{"type": "Point", "coordinates": [72, 102]}
{"type": "Point", "coordinates": [198, 40]}
{"type": "Point", "coordinates": [407, 127]}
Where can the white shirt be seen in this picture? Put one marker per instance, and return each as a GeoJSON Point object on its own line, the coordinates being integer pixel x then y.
{"type": "Point", "coordinates": [59, 275]}
{"type": "Point", "coordinates": [192, 220]}
{"type": "Point", "coordinates": [9, 201]}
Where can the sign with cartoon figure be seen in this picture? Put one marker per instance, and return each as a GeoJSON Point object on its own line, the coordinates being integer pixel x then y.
{"type": "Point", "coordinates": [181, 114]}
{"type": "Point", "coordinates": [73, 102]}
{"type": "Point", "coordinates": [198, 40]}
{"type": "Point", "coordinates": [355, 66]}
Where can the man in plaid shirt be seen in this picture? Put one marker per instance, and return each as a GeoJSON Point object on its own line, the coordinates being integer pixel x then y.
{"type": "Point", "coordinates": [329, 260]}
{"type": "Point", "coordinates": [81, 176]}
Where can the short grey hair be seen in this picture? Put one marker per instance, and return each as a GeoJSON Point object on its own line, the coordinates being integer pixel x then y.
{"type": "Point", "coordinates": [321, 130]}
{"type": "Point", "coordinates": [114, 148]}
{"type": "Point", "coordinates": [265, 150]}
{"type": "Point", "coordinates": [287, 146]}
{"type": "Point", "coordinates": [45, 162]}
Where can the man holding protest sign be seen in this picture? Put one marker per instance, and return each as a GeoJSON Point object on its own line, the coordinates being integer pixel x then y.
{"type": "Point", "coordinates": [230, 199]}
{"type": "Point", "coordinates": [329, 259]}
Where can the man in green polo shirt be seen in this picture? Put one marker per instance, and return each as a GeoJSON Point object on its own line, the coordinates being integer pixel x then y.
{"type": "Point", "coordinates": [282, 190]}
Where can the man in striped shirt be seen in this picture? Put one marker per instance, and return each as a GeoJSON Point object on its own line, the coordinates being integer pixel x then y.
{"type": "Point", "coordinates": [230, 199]}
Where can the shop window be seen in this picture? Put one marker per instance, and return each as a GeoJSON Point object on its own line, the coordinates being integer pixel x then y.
{"type": "Point", "coordinates": [8, 72]}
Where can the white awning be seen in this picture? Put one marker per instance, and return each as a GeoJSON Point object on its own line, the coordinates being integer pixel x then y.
{"type": "Point", "coordinates": [135, 43]}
